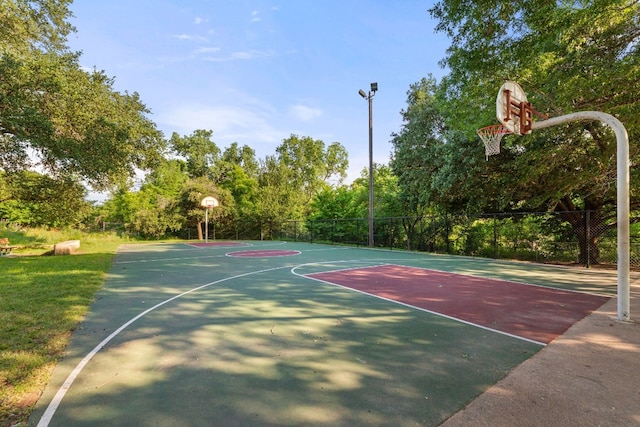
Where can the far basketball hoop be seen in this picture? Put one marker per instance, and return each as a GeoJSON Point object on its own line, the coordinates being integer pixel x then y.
{"type": "Point", "coordinates": [209, 202]}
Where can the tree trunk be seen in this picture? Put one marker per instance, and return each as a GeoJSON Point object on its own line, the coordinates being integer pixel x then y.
{"type": "Point", "coordinates": [588, 227]}
{"type": "Point", "coordinates": [588, 244]}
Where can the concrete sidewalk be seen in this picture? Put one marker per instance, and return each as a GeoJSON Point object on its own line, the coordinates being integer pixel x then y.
{"type": "Point", "coordinates": [590, 376]}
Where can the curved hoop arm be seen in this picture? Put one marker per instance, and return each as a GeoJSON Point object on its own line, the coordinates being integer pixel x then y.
{"type": "Point", "coordinates": [622, 160]}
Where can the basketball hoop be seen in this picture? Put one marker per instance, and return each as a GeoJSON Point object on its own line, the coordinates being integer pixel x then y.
{"type": "Point", "coordinates": [491, 136]}
{"type": "Point", "coordinates": [209, 202]}
{"type": "Point", "coordinates": [514, 111]}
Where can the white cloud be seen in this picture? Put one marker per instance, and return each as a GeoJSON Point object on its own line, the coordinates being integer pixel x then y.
{"type": "Point", "coordinates": [228, 123]}
{"type": "Point", "coordinates": [304, 113]}
{"type": "Point", "coordinates": [189, 37]}
{"type": "Point", "coordinates": [199, 20]}
{"type": "Point", "coordinates": [255, 16]}
{"type": "Point", "coordinates": [240, 55]}
{"type": "Point", "coordinates": [206, 50]}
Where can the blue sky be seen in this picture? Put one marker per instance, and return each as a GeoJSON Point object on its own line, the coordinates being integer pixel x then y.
{"type": "Point", "coordinates": [255, 72]}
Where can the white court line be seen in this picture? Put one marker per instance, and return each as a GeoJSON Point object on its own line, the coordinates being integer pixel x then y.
{"type": "Point", "coordinates": [260, 253]}
{"type": "Point", "coordinates": [62, 391]}
{"type": "Point", "coordinates": [405, 304]}
{"type": "Point", "coordinates": [248, 244]}
{"type": "Point", "coordinates": [197, 245]}
{"type": "Point", "coordinates": [142, 261]}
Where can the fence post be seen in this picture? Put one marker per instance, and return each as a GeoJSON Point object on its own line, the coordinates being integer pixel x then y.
{"type": "Point", "coordinates": [446, 232]}
{"type": "Point", "coordinates": [333, 231]}
{"type": "Point", "coordinates": [587, 236]}
{"type": "Point", "coordinates": [495, 237]}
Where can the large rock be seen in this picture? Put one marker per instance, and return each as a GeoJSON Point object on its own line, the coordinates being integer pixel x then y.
{"type": "Point", "coordinates": [66, 248]}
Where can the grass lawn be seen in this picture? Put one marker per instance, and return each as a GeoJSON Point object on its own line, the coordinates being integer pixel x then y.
{"type": "Point", "coordinates": [42, 299]}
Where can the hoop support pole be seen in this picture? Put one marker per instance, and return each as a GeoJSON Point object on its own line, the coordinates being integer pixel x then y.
{"type": "Point", "coordinates": [622, 160]}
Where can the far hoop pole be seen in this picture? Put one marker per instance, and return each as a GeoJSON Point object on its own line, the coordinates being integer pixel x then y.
{"type": "Point", "coordinates": [206, 224]}
{"type": "Point", "coordinates": [622, 159]}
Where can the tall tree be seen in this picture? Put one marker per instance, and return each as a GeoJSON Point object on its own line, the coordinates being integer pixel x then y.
{"type": "Point", "coordinates": [290, 179]}
{"type": "Point", "coordinates": [416, 155]}
{"type": "Point", "coordinates": [238, 173]}
{"type": "Point", "coordinates": [569, 56]}
{"type": "Point", "coordinates": [54, 113]}
{"type": "Point", "coordinates": [194, 191]}
{"type": "Point", "coordinates": [34, 25]}
{"type": "Point", "coordinates": [198, 150]}
{"type": "Point", "coordinates": [311, 165]}
{"type": "Point", "coordinates": [277, 200]}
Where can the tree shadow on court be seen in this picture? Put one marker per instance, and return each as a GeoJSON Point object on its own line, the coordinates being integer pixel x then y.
{"type": "Point", "coordinates": [277, 349]}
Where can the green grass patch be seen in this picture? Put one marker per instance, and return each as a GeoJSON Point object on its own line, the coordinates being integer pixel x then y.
{"type": "Point", "coordinates": [42, 300]}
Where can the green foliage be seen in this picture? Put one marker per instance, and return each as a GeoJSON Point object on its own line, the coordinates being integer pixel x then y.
{"type": "Point", "coordinates": [38, 200]}
{"type": "Point", "coordinates": [192, 194]}
{"type": "Point", "coordinates": [243, 189]}
{"type": "Point", "coordinates": [416, 148]}
{"type": "Point", "coordinates": [568, 56]}
{"type": "Point", "coordinates": [199, 151]}
{"type": "Point", "coordinates": [238, 174]}
{"type": "Point", "coordinates": [243, 157]}
{"type": "Point", "coordinates": [52, 112]}
{"type": "Point", "coordinates": [289, 180]}
{"type": "Point", "coordinates": [337, 202]}
{"type": "Point", "coordinates": [34, 25]}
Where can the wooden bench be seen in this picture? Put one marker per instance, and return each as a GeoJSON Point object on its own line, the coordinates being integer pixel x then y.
{"type": "Point", "coordinates": [5, 248]}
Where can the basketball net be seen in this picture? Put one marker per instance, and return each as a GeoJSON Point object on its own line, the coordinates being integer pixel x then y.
{"type": "Point", "coordinates": [491, 136]}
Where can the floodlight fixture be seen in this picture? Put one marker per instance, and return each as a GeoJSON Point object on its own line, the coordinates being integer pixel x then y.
{"type": "Point", "coordinates": [374, 87]}
{"type": "Point", "coordinates": [362, 93]}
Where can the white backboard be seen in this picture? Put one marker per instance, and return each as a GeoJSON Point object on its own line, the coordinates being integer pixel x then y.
{"type": "Point", "coordinates": [510, 95]}
{"type": "Point", "coordinates": [209, 202]}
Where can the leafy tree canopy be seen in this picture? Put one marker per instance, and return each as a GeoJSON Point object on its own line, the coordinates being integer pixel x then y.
{"type": "Point", "coordinates": [198, 150]}
{"type": "Point", "coordinates": [30, 198]}
{"type": "Point", "coordinates": [300, 169]}
{"type": "Point", "coordinates": [569, 56]}
{"type": "Point", "coordinates": [58, 116]}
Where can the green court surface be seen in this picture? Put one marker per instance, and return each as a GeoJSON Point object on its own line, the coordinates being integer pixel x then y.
{"type": "Point", "coordinates": [182, 335]}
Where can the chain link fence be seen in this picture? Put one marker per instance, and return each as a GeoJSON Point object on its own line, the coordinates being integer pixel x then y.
{"type": "Point", "coordinates": [230, 229]}
{"type": "Point", "coordinates": [581, 237]}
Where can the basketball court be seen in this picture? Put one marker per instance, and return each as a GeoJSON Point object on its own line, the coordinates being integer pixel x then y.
{"type": "Point", "coordinates": [277, 333]}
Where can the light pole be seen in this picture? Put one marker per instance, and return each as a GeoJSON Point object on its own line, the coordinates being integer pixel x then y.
{"type": "Point", "coordinates": [369, 97]}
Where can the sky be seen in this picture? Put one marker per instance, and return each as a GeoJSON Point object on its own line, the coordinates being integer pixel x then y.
{"type": "Point", "coordinates": [255, 72]}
